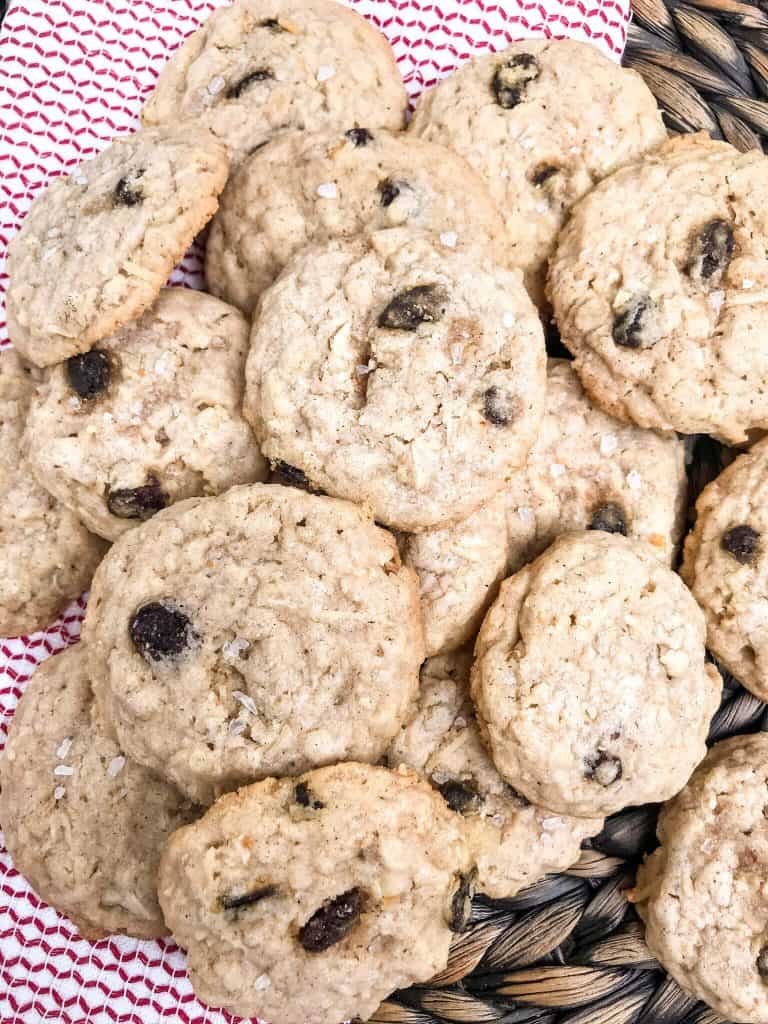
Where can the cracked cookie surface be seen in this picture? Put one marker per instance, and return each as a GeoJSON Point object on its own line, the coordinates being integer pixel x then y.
{"type": "Point", "coordinates": [84, 824]}
{"type": "Point", "coordinates": [150, 416]}
{"type": "Point", "coordinates": [260, 66]}
{"type": "Point", "coordinates": [702, 894]}
{"type": "Point", "coordinates": [586, 470]}
{"type": "Point", "coordinates": [47, 555]}
{"type": "Point", "coordinates": [310, 187]}
{"type": "Point", "coordinates": [97, 245]}
{"type": "Point", "coordinates": [512, 842]}
{"type": "Point", "coordinates": [397, 374]}
{"type": "Point", "coordinates": [590, 682]}
{"type": "Point", "coordinates": [662, 299]}
{"type": "Point", "coordinates": [215, 632]}
{"type": "Point", "coordinates": [312, 899]}
{"type": "Point", "coordinates": [542, 121]}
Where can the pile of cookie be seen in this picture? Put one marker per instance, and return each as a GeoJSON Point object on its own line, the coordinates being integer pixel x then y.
{"type": "Point", "coordinates": [389, 614]}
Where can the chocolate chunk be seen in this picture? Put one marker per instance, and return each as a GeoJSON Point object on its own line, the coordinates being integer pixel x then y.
{"type": "Point", "coordinates": [460, 796]}
{"type": "Point", "coordinates": [423, 304]}
{"type": "Point", "coordinates": [272, 24]}
{"type": "Point", "coordinates": [498, 406]}
{"type": "Point", "coordinates": [137, 502]}
{"type": "Point", "coordinates": [160, 631]}
{"type": "Point", "coordinates": [461, 904]}
{"type": "Point", "coordinates": [89, 374]}
{"type": "Point", "coordinates": [543, 173]}
{"type": "Point", "coordinates": [234, 92]}
{"type": "Point", "coordinates": [609, 518]}
{"type": "Point", "coordinates": [511, 79]}
{"type": "Point", "coordinates": [741, 542]}
{"type": "Point", "coordinates": [332, 922]}
{"type": "Point", "coordinates": [303, 796]}
{"type": "Point", "coordinates": [359, 136]}
{"type": "Point", "coordinates": [291, 476]}
{"type": "Point", "coordinates": [247, 899]}
{"type": "Point", "coordinates": [126, 192]}
{"type": "Point", "coordinates": [513, 794]}
{"type": "Point", "coordinates": [388, 191]}
{"type": "Point", "coordinates": [631, 327]}
{"type": "Point", "coordinates": [762, 962]}
{"type": "Point", "coordinates": [711, 252]}
{"type": "Point", "coordinates": [603, 768]}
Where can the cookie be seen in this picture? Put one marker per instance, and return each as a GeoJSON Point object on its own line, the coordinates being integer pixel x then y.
{"type": "Point", "coordinates": [585, 471]}
{"type": "Point", "coordinates": [84, 824]}
{"type": "Point", "coordinates": [397, 373]}
{"type": "Point", "coordinates": [312, 899]}
{"type": "Point", "coordinates": [542, 121]}
{"type": "Point", "coordinates": [702, 894]}
{"type": "Point", "coordinates": [661, 299]}
{"type": "Point", "coordinates": [257, 633]}
{"type": "Point", "coordinates": [724, 565]}
{"type": "Point", "coordinates": [148, 417]}
{"type": "Point", "coordinates": [314, 186]}
{"type": "Point", "coordinates": [97, 245]}
{"type": "Point", "coordinates": [47, 555]}
{"type": "Point", "coordinates": [512, 842]}
{"type": "Point", "coordinates": [261, 66]}
{"type": "Point", "coordinates": [590, 680]}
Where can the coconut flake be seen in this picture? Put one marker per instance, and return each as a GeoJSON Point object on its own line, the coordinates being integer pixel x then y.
{"type": "Point", "coordinates": [115, 766]}
{"type": "Point", "coordinates": [327, 190]}
{"type": "Point", "coordinates": [634, 480]}
{"type": "Point", "coordinates": [59, 792]}
{"type": "Point", "coordinates": [608, 444]}
{"type": "Point", "coordinates": [449, 238]}
{"type": "Point", "coordinates": [63, 769]}
{"type": "Point", "coordinates": [246, 701]}
{"type": "Point", "coordinates": [63, 748]}
{"type": "Point", "coordinates": [325, 71]}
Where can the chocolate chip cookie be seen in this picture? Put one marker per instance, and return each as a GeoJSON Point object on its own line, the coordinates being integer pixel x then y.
{"type": "Point", "coordinates": [313, 186]}
{"type": "Point", "coordinates": [311, 899]}
{"type": "Point", "coordinates": [725, 566]}
{"type": "Point", "coordinates": [590, 681]}
{"type": "Point", "coordinates": [398, 373]}
{"type": "Point", "coordinates": [542, 121]}
{"type": "Point", "coordinates": [662, 298]}
{"type": "Point", "coordinates": [585, 471]}
{"type": "Point", "coordinates": [97, 245]}
{"type": "Point", "coordinates": [47, 555]}
{"type": "Point", "coordinates": [511, 841]}
{"type": "Point", "coordinates": [257, 633]}
{"type": "Point", "coordinates": [149, 416]}
{"type": "Point", "coordinates": [261, 66]}
{"type": "Point", "coordinates": [702, 894]}
{"type": "Point", "coordinates": [83, 823]}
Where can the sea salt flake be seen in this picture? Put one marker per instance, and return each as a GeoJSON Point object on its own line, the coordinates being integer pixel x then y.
{"type": "Point", "coordinates": [325, 71]}
{"type": "Point", "coordinates": [498, 820]}
{"type": "Point", "coordinates": [63, 748]}
{"type": "Point", "coordinates": [608, 444]}
{"type": "Point", "coordinates": [215, 85]}
{"type": "Point", "coordinates": [73, 402]}
{"type": "Point", "coordinates": [234, 649]}
{"type": "Point", "coordinates": [327, 190]}
{"type": "Point", "coordinates": [457, 351]}
{"type": "Point", "coordinates": [63, 769]}
{"type": "Point", "coordinates": [263, 981]}
{"type": "Point", "coordinates": [59, 792]}
{"type": "Point", "coordinates": [508, 319]}
{"type": "Point", "coordinates": [237, 726]}
{"type": "Point", "coordinates": [440, 778]}
{"type": "Point", "coordinates": [550, 824]}
{"type": "Point", "coordinates": [78, 177]}
{"type": "Point", "coordinates": [634, 480]}
{"type": "Point", "coordinates": [716, 300]}
{"type": "Point", "coordinates": [363, 369]}
{"type": "Point", "coordinates": [747, 283]}
{"type": "Point", "coordinates": [247, 702]}
{"type": "Point", "coordinates": [525, 515]}
{"type": "Point", "coordinates": [115, 766]}
{"type": "Point", "coordinates": [556, 469]}
{"type": "Point", "coordinates": [449, 238]}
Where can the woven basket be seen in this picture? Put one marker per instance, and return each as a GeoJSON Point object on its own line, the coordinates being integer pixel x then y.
{"type": "Point", "coordinates": [570, 949]}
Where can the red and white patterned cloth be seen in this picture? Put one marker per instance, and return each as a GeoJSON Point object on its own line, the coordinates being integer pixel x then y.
{"type": "Point", "coordinates": [72, 76]}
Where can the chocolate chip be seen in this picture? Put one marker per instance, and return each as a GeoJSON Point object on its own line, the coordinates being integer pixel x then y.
{"type": "Point", "coordinates": [160, 630]}
{"type": "Point", "coordinates": [513, 794]}
{"type": "Point", "coordinates": [741, 542]}
{"type": "Point", "coordinates": [126, 193]}
{"type": "Point", "coordinates": [388, 191]}
{"type": "Point", "coordinates": [272, 24]}
{"type": "Point", "coordinates": [498, 406]}
{"type": "Point", "coordinates": [461, 904]}
{"type": "Point", "coordinates": [332, 922]}
{"type": "Point", "coordinates": [247, 899]}
{"type": "Point", "coordinates": [234, 92]}
{"type": "Point", "coordinates": [762, 962]}
{"type": "Point", "coordinates": [137, 502]}
{"type": "Point", "coordinates": [603, 768]}
{"type": "Point", "coordinates": [609, 518]}
{"type": "Point", "coordinates": [511, 79]}
{"type": "Point", "coordinates": [291, 476]}
{"type": "Point", "coordinates": [303, 796]}
{"type": "Point", "coordinates": [460, 796]}
{"type": "Point", "coordinates": [359, 136]}
{"type": "Point", "coordinates": [89, 374]}
{"type": "Point", "coordinates": [631, 327]}
{"type": "Point", "coordinates": [423, 304]}
{"type": "Point", "coordinates": [711, 252]}
{"type": "Point", "coordinates": [543, 173]}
